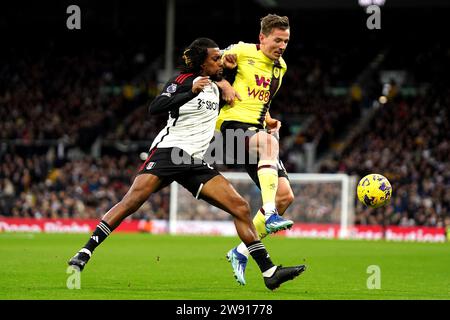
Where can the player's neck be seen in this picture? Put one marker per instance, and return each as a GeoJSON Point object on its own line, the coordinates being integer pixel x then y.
{"type": "Point", "coordinates": [263, 51]}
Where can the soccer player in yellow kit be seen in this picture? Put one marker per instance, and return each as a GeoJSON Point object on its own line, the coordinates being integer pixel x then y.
{"type": "Point", "coordinates": [259, 70]}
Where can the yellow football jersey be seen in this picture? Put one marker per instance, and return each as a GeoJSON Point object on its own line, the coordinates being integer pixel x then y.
{"type": "Point", "coordinates": [252, 82]}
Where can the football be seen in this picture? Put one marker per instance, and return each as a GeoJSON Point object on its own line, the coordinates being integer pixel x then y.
{"type": "Point", "coordinates": [374, 190]}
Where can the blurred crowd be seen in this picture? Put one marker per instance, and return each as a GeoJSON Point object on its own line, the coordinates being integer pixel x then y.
{"type": "Point", "coordinates": [88, 188]}
{"type": "Point", "coordinates": [68, 97]}
{"type": "Point", "coordinates": [60, 99]}
{"type": "Point", "coordinates": [408, 141]}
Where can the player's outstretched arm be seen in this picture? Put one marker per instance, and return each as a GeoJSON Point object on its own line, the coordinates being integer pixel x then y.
{"type": "Point", "coordinates": [229, 94]}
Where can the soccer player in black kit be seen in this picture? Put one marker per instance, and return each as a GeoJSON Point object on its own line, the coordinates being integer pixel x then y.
{"type": "Point", "coordinates": [191, 100]}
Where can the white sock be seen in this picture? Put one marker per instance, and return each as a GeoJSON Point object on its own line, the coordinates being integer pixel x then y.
{"type": "Point", "coordinates": [269, 208]}
{"type": "Point", "coordinates": [270, 272]}
{"type": "Point", "coordinates": [84, 250]}
{"type": "Point", "coordinates": [242, 249]}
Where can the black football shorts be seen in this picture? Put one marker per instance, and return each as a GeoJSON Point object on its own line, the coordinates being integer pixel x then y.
{"type": "Point", "coordinates": [192, 175]}
{"type": "Point", "coordinates": [251, 168]}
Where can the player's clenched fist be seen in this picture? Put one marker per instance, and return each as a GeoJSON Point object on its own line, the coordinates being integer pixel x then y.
{"type": "Point", "coordinates": [230, 61]}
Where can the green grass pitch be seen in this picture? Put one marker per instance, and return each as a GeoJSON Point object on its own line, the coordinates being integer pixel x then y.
{"type": "Point", "coordinates": [144, 266]}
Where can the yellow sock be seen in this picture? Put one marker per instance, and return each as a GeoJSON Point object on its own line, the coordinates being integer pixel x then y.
{"type": "Point", "coordinates": [268, 180]}
{"type": "Point", "coordinates": [260, 224]}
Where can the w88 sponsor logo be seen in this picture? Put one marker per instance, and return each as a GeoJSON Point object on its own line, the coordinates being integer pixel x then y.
{"type": "Point", "coordinates": [261, 95]}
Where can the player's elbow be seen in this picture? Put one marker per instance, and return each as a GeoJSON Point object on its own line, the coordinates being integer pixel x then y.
{"type": "Point", "coordinates": [153, 108]}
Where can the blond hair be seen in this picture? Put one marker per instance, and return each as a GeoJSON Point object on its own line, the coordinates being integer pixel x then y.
{"type": "Point", "coordinates": [272, 21]}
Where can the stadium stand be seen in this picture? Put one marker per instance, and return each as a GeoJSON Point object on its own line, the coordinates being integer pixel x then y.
{"type": "Point", "coordinates": [408, 139]}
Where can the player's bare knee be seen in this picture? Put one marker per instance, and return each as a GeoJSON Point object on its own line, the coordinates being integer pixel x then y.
{"type": "Point", "coordinates": [242, 209]}
{"type": "Point", "coordinates": [267, 146]}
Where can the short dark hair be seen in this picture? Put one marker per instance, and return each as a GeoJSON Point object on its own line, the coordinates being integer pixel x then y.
{"type": "Point", "coordinates": [196, 53]}
{"type": "Point", "coordinates": [271, 21]}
